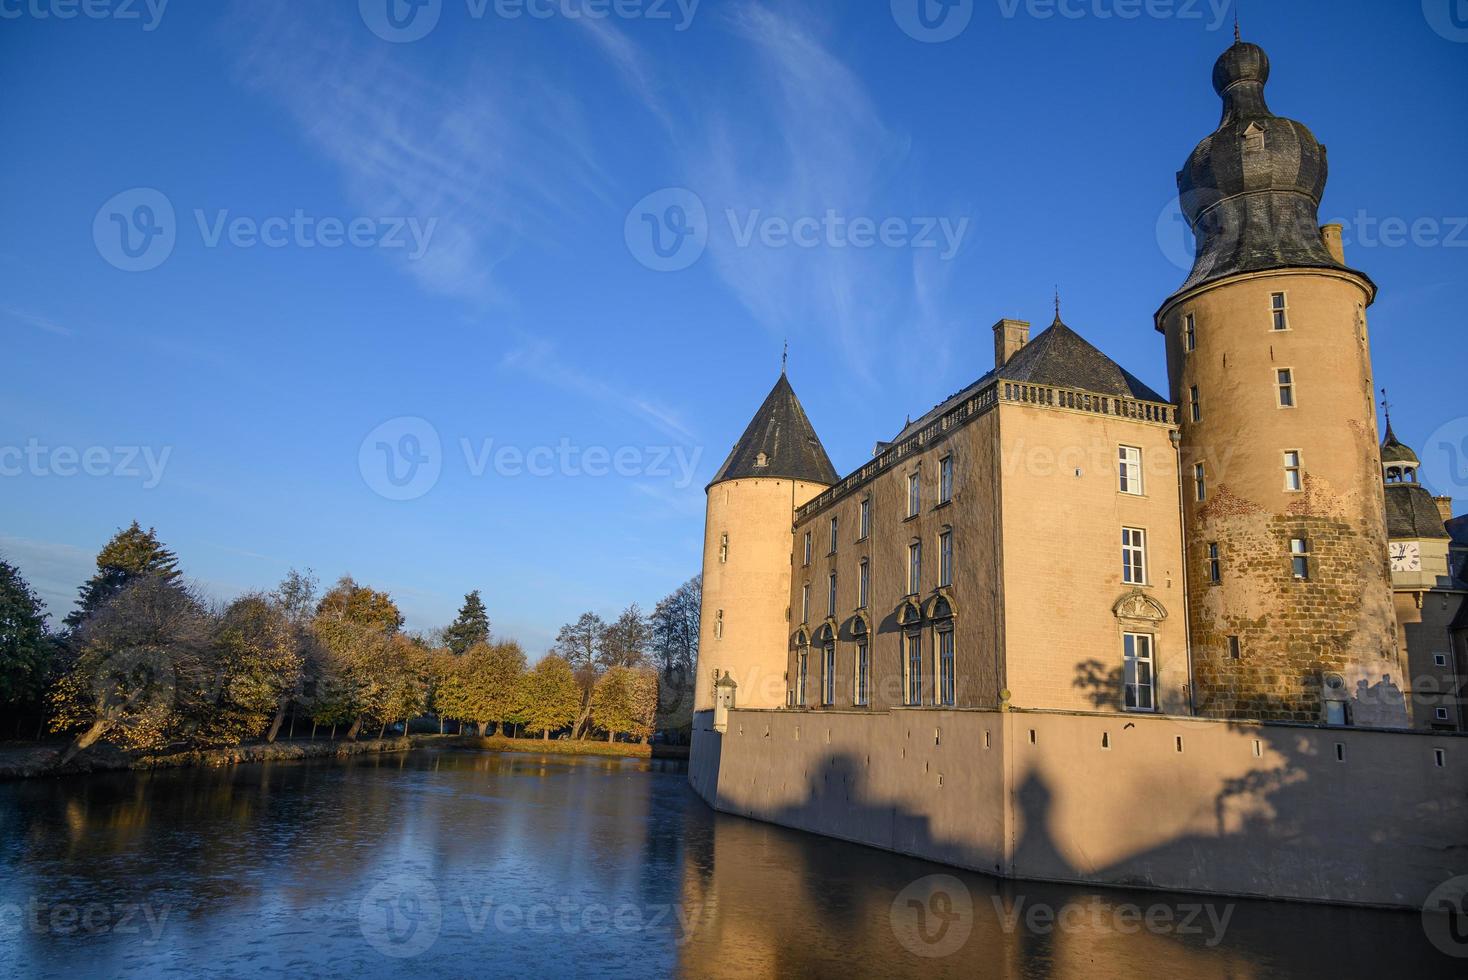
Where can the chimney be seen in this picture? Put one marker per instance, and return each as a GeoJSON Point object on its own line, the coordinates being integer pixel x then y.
{"type": "Point", "coordinates": [1331, 236]}
{"type": "Point", "coordinates": [1444, 507]}
{"type": "Point", "coordinates": [1009, 337]}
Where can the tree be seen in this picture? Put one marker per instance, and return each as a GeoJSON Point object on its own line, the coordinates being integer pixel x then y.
{"type": "Point", "coordinates": [625, 702]}
{"type": "Point", "coordinates": [675, 624]}
{"type": "Point", "coordinates": [491, 681]}
{"type": "Point", "coordinates": [550, 698]}
{"type": "Point", "coordinates": [348, 602]}
{"type": "Point", "coordinates": [354, 626]}
{"type": "Point", "coordinates": [471, 627]}
{"type": "Point", "coordinates": [257, 651]}
{"type": "Point", "coordinates": [624, 642]}
{"type": "Point", "coordinates": [26, 648]}
{"type": "Point", "coordinates": [131, 553]}
{"type": "Point", "coordinates": [579, 643]}
{"type": "Point", "coordinates": [140, 672]}
{"type": "Point", "coordinates": [296, 597]}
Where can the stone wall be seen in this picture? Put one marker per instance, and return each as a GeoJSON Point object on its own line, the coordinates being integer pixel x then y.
{"type": "Point", "coordinates": [1316, 814]}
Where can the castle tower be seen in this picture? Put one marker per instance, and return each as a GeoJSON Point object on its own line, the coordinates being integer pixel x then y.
{"type": "Point", "coordinates": [777, 465]}
{"type": "Point", "coordinates": [1289, 596]}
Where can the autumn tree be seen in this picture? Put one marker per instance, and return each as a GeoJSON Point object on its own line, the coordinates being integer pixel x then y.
{"type": "Point", "coordinates": [579, 643]}
{"type": "Point", "coordinates": [550, 698]}
{"type": "Point", "coordinates": [470, 628]}
{"type": "Point", "coordinates": [141, 669]}
{"type": "Point", "coordinates": [625, 702]}
{"type": "Point", "coordinates": [354, 626]}
{"type": "Point", "coordinates": [26, 647]}
{"type": "Point", "coordinates": [642, 698]}
{"type": "Point", "coordinates": [491, 681]}
{"type": "Point", "coordinates": [130, 554]}
{"type": "Point", "coordinates": [258, 654]}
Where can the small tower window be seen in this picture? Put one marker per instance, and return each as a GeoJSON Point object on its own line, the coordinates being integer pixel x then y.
{"type": "Point", "coordinates": [723, 549]}
{"type": "Point", "coordinates": [1195, 407]}
{"type": "Point", "coordinates": [719, 625]}
{"type": "Point", "coordinates": [1294, 482]}
{"type": "Point", "coordinates": [1200, 481]}
{"type": "Point", "coordinates": [1280, 310]}
{"type": "Point", "coordinates": [1300, 557]}
{"type": "Point", "coordinates": [1235, 649]}
{"type": "Point", "coordinates": [1285, 379]}
{"type": "Point", "coordinates": [1190, 333]}
{"type": "Point", "coordinates": [1215, 565]}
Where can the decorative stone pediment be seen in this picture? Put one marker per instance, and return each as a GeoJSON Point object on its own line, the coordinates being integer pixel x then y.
{"type": "Point", "coordinates": [827, 631]}
{"type": "Point", "coordinates": [909, 613]}
{"type": "Point", "coordinates": [1137, 604]}
{"type": "Point", "coordinates": [941, 606]}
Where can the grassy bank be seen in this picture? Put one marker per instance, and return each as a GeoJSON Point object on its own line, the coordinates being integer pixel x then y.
{"type": "Point", "coordinates": [25, 761]}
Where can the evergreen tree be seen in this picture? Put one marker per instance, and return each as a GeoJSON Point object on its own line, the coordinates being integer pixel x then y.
{"type": "Point", "coordinates": [25, 643]}
{"type": "Point", "coordinates": [472, 626]}
{"type": "Point", "coordinates": [130, 554]}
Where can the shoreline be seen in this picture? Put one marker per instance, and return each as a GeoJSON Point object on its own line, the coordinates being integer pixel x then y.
{"type": "Point", "coordinates": [37, 761]}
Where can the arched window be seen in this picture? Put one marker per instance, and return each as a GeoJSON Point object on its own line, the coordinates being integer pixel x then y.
{"type": "Point", "coordinates": [862, 681]}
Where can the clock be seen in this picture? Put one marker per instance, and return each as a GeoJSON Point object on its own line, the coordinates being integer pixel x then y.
{"type": "Point", "coordinates": [1406, 556]}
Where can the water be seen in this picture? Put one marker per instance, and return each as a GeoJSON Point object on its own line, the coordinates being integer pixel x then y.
{"type": "Point", "coordinates": [445, 863]}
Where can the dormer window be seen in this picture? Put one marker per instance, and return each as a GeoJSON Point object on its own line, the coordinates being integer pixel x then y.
{"type": "Point", "coordinates": [761, 460]}
{"type": "Point", "coordinates": [1254, 138]}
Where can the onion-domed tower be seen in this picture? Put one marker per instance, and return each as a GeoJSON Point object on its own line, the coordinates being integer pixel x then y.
{"type": "Point", "coordinates": [1289, 595]}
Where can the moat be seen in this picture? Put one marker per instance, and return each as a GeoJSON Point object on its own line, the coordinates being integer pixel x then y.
{"type": "Point", "coordinates": [446, 863]}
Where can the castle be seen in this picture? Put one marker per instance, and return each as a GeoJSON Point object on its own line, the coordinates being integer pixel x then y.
{"type": "Point", "coordinates": [1245, 549]}
{"type": "Point", "coordinates": [1225, 548]}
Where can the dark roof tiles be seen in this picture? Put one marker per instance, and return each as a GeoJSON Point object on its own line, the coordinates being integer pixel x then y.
{"type": "Point", "coordinates": [780, 443]}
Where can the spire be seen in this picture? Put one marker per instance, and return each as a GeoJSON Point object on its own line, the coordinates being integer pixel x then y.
{"type": "Point", "coordinates": [1238, 38]}
{"type": "Point", "coordinates": [1057, 305]}
{"type": "Point", "coordinates": [779, 443]}
{"type": "Point", "coordinates": [784, 358]}
{"type": "Point", "coordinates": [1387, 407]}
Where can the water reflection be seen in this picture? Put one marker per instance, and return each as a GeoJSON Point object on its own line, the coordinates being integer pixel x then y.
{"type": "Point", "coordinates": [454, 862]}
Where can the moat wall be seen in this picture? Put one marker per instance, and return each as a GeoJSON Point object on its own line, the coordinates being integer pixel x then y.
{"type": "Point", "coordinates": [1314, 814]}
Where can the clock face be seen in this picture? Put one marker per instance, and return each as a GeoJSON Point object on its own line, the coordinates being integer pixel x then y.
{"type": "Point", "coordinates": [1406, 556]}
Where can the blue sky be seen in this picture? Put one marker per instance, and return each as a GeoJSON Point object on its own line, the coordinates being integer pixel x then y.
{"type": "Point", "coordinates": [266, 388]}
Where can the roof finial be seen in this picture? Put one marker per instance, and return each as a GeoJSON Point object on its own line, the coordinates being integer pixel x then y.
{"type": "Point", "coordinates": [1237, 36]}
{"type": "Point", "coordinates": [1387, 408]}
{"type": "Point", "coordinates": [1057, 304]}
{"type": "Point", "coordinates": [784, 358]}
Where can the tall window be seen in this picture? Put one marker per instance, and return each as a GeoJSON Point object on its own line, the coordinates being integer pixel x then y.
{"type": "Point", "coordinates": [828, 673]}
{"type": "Point", "coordinates": [801, 669]}
{"type": "Point", "coordinates": [831, 595]}
{"type": "Point", "coordinates": [863, 584]}
{"type": "Point", "coordinates": [1293, 480]}
{"type": "Point", "coordinates": [807, 548]}
{"type": "Point", "coordinates": [1300, 557]}
{"type": "Point", "coordinates": [945, 479]}
{"type": "Point", "coordinates": [805, 603]}
{"type": "Point", "coordinates": [866, 516]}
{"type": "Point", "coordinates": [719, 624]}
{"type": "Point", "coordinates": [1190, 333]}
{"type": "Point", "coordinates": [914, 495]}
{"type": "Point", "coordinates": [1215, 565]}
{"type": "Point", "coordinates": [1200, 481]}
{"type": "Point", "coordinates": [1137, 663]}
{"type": "Point", "coordinates": [913, 668]}
{"type": "Point", "coordinates": [1195, 407]}
{"type": "Point", "coordinates": [1129, 469]}
{"type": "Point", "coordinates": [834, 537]}
{"type": "Point", "coordinates": [1280, 311]}
{"type": "Point", "coordinates": [1134, 556]}
{"type": "Point", "coordinates": [863, 672]}
{"type": "Point", "coordinates": [945, 558]}
{"type": "Point", "coordinates": [723, 549]}
{"type": "Point", "coordinates": [1285, 377]}
{"type": "Point", "coordinates": [914, 568]}
{"type": "Point", "coordinates": [945, 667]}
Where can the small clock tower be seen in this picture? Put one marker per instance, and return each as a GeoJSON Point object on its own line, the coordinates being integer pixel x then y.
{"type": "Point", "coordinates": [1427, 598]}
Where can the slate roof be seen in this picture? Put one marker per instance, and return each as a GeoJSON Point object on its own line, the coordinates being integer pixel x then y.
{"type": "Point", "coordinates": [1252, 189]}
{"type": "Point", "coordinates": [1412, 513]}
{"type": "Point", "coordinates": [1060, 357]}
{"type": "Point", "coordinates": [781, 432]}
{"type": "Point", "coordinates": [1394, 451]}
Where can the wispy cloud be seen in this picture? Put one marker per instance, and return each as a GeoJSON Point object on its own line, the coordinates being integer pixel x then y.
{"type": "Point", "coordinates": [463, 145]}
{"type": "Point", "coordinates": [39, 322]}
{"type": "Point", "coordinates": [53, 569]}
{"type": "Point", "coordinates": [539, 359]}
